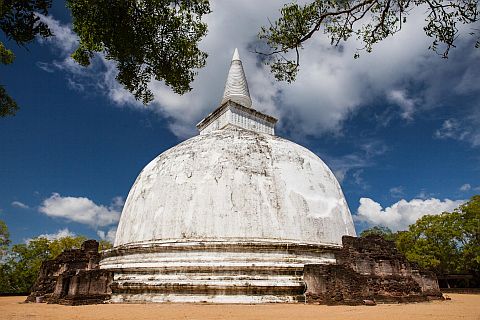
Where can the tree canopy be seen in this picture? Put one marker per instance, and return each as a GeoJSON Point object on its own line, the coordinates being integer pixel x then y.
{"type": "Point", "coordinates": [20, 264]}
{"type": "Point", "coordinates": [445, 243]}
{"type": "Point", "coordinates": [20, 23]}
{"type": "Point", "coordinates": [381, 231]}
{"type": "Point", "coordinates": [4, 239]}
{"type": "Point", "coordinates": [159, 39]}
{"type": "Point", "coordinates": [369, 21]}
{"type": "Point", "coordinates": [146, 40]}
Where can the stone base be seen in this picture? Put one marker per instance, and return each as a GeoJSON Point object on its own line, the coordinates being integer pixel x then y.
{"type": "Point", "coordinates": [73, 278]}
{"type": "Point", "coordinates": [215, 272]}
{"type": "Point", "coordinates": [369, 268]}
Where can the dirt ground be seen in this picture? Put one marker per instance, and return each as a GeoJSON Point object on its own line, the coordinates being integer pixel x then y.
{"type": "Point", "coordinates": [462, 306]}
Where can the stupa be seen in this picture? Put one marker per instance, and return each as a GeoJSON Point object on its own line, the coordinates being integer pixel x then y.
{"type": "Point", "coordinates": [231, 215]}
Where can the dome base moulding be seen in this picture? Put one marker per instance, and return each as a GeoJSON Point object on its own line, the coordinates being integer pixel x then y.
{"type": "Point", "coordinates": [213, 271]}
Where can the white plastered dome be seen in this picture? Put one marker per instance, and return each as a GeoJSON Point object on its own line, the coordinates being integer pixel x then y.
{"type": "Point", "coordinates": [239, 185]}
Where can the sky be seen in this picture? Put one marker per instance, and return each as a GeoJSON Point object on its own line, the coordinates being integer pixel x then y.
{"type": "Point", "coordinates": [399, 127]}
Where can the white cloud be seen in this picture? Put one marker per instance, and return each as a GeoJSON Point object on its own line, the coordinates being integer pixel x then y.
{"type": "Point", "coordinates": [343, 165]}
{"type": "Point", "coordinates": [402, 213]}
{"type": "Point", "coordinates": [62, 233]}
{"type": "Point", "coordinates": [396, 192]}
{"type": "Point", "coordinates": [81, 210]}
{"type": "Point", "coordinates": [109, 235]}
{"type": "Point", "coordinates": [465, 187]}
{"type": "Point", "coordinates": [331, 84]}
{"type": "Point", "coordinates": [407, 105]}
{"type": "Point", "coordinates": [45, 67]}
{"type": "Point", "coordinates": [354, 163]}
{"type": "Point", "coordinates": [18, 204]}
{"type": "Point", "coordinates": [64, 38]}
{"type": "Point", "coordinates": [467, 129]}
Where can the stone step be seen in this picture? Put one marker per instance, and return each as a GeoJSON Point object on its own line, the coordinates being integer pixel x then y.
{"type": "Point", "coordinates": [219, 270]}
{"type": "Point", "coordinates": [193, 298]}
{"type": "Point", "coordinates": [205, 277]}
{"type": "Point", "coordinates": [210, 288]}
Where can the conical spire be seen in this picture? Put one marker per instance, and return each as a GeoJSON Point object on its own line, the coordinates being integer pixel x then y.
{"type": "Point", "coordinates": [236, 88]}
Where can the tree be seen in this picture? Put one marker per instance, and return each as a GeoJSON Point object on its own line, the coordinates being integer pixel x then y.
{"type": "Point", "coordinates": [446, 243]}
{"type": "Point", "coordinates": [23, 264]}
{"type": "Point", "coordinates": [4, 239]}
{"type": "Point", "coordinates": [159, 39]}
{"type": "Point", "coordinates": [19, 22]}
{"type": "Point", "coordinates": [4, 244]}
{"type": "Point", "coordinates": [146, 39]}
{"type": "Point", "coordinates": [381, 231]}
{"type": "Point", "coordinates": [468, 217]}
{"type": "Point", "coordinates": [104, 245]}
{"type": "Point", "coordinates": [370, 21]}
{"type": "Point", "coordinates": [430, 243]}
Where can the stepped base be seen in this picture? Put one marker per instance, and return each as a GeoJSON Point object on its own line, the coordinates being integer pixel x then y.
{"type": "Point", "coordinates": [213, 272]}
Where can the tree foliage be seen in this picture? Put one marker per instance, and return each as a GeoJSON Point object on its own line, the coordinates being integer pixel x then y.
{"type": "Point", "coordinates": [369, 21]}
{"type": "Point", "coordinates": [381, 231]}
{"type": "Point", "coordinates": [147, 39]}
{"type": "Point", "coordinates": [158, 39]}
{"type": "Point", "coordinates": [4, 239]}
{"type": "Point", "coordinates": [104, 245]}
{"type": "Point", "coordinates": [445, 243]}
{"type": "Point", "coordinates": [20, 23]}
{"type": "Point", "coordinates": [20, 266]}
{"type": "Point", "coordinates": [8, 106]}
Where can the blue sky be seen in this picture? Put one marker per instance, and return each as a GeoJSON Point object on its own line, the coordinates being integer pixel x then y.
{"type": "Point", "coordinates": [399, 127]}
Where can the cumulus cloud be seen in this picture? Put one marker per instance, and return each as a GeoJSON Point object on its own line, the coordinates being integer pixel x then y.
{"type": "Point", "coordinates": [18, 204]}
{"type": "Point", "coordinates": [81, 210]}
{"type": "Point", "coordinates": [62, 233]}
{"type": "Point", "coordinates": [465, 187]}
{"type": "Point", "coordinates": [331, 84]}
{"type": "Point", "coordinates": [108, 235]}
{"type": "Point", "coordinates": [402, 213]}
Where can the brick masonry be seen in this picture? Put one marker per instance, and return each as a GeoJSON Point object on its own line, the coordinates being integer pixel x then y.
{"type": "Point", "coordinates": [369, 268]}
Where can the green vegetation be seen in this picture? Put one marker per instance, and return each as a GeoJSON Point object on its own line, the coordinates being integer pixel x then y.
{"type": "Point", "coordinates": [159, 39]}
{"type": "Point", "coordinates": [381, 231]}
{"type": "Point", "coordinates": [448, 243]}
{"type": "Point", "coordinates": [445, 243]}
{"type": "Point", "coordinates": [146, 39]}
{"type": "Point", "coordinates": [19, 22]}
{"type": "Point", "coordinates": [20, 265]}
{"type": "Point", "coordinates": [369, 21]}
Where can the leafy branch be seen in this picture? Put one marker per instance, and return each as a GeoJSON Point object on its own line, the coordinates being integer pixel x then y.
{"type": "Point", "coordinates": [369, 21]}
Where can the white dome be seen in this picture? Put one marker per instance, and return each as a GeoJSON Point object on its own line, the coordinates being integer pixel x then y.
{"type": "Point", "coordinates": [238, 185]}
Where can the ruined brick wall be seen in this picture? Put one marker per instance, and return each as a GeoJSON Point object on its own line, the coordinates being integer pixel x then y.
{"type": "Point", "coordinates": [73, 277]}
{"type": "Point", "coordinates": [369, 268]}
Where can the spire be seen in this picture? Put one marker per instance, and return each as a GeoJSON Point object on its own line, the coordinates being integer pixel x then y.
{"type": "Point", "coordinates": [236, 88]}
{"type": "Point", "coordinates": [236, 56]}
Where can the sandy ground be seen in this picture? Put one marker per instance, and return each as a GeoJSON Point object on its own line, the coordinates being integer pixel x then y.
{"type": "Point", "coordinates": [462, 306]}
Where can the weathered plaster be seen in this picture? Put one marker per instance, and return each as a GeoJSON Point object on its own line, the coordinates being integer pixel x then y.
{"type": "Point", "coordinates": [235, 183]}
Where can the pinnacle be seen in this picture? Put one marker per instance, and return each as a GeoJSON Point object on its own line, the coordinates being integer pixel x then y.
{"type": "Point", "coordinates": [236, 87]}
{"type": "Point", "coordinates": [236, 56]}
